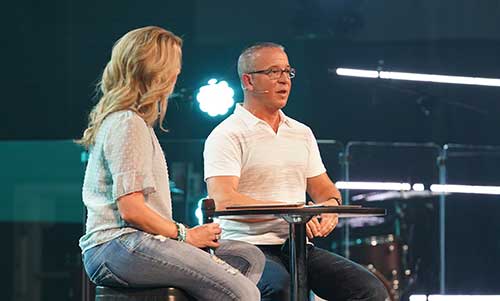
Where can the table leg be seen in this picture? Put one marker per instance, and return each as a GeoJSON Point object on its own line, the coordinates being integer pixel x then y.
{"type": "Point", "coordinates": [298, 262]}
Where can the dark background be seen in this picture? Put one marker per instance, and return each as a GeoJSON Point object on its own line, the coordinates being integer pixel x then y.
{"type": "Point", "coordinates": [54, 52]}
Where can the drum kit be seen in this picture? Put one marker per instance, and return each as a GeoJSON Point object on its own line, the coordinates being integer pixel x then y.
{"type": "Point", "coordinates": [387, 246]}
{"type": "Point", "coordinates": [384, 256]}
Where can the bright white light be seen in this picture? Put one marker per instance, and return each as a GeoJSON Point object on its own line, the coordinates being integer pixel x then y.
{"type": "Point", "coordinates": [357, 72]}
{"type": "Point", "coordinates": [466, 189]}
{"type": "Point", "coordinates": [455, 298]}
{"type": "Point", "coordinates": [373, 185]}
{"type": "Point", "coordinates": [436, 78]}
{"type": "Point", "coordinates": [463, 298]}
{"type": "Point", "coordinates": [418, 298]}
{"type": "Point", "coordinates": [215, 98]}
{"type": "Point", "coordinates": [418, 187]}
{"type": "Point", "coordinates": [198, 213]}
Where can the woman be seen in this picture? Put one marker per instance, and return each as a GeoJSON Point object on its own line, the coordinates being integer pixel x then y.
{"type": "Point", "coordinates": [131, 239]}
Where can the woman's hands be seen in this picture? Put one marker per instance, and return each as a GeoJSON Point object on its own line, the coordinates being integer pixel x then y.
{"type": "Point", "coordinates": [205, 235]}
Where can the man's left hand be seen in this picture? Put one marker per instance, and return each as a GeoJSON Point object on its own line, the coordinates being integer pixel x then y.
{"type": "Point", "coordinates": [328, 222]}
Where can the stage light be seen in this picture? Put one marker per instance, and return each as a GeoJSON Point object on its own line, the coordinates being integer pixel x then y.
{"type": "Point", "coordinates": [463, 298]}
{"type": "Point", "coordinates": [198, 213]}
{"type": "Point", "coordinates": [215, 98]}
{"type": "Point", "coordinates": [373, 185]}
{"type": "Point", "coordinates": [436, 78]}
{"type": "Point", "coordinates": [474, 189]}
{"type": "Point", "coordinates": [357, 72]}
{"type": "Point", "coordinates": [418, 298]}
{"type": "Point", "coordinates": [455, 298]}
{"type": "Point", "coordinates": [418, 187]}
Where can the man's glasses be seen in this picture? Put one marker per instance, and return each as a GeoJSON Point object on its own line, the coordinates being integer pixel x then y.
{"type": "Point", "coordinates": [276, 73]}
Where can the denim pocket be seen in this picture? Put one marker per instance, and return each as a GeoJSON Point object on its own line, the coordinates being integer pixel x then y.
{"type": "Point", "coordinates": [104, 276]}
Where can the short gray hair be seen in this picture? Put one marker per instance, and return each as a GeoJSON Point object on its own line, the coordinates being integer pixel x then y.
{"type": "Point", "coordinates": [245, 61]}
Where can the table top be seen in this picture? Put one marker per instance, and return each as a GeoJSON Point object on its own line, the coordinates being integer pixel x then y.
{"type": "Point", "coordinates": [342, 211]}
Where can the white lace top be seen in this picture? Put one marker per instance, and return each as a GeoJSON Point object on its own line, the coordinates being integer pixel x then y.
{"type": "Point", "coordinates": [125, 158]}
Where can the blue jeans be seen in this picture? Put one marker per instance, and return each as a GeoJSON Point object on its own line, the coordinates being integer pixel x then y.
{"type": "Point", "coordinates": [330, 276]}
{"type": "Point", "coordinates": [140, 259]}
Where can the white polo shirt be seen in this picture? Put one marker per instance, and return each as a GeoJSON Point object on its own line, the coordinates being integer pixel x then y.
{"type": "Point", "coordinates": [270, 166]}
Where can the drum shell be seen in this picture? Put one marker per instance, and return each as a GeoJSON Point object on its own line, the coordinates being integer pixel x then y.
{"type": "Point", "coordinates": [383, 253]}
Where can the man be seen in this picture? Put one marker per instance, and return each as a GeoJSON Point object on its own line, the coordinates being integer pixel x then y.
{"type": "Point", "coordinates": [259, 155]}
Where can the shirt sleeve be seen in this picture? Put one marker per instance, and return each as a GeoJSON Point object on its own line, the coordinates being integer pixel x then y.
{"type": "Point", "coordinates": [222, 156]}
{"type": "Point", "coordinates": [315, 165]}
{"type": "Point", "coordinates": [128, 151]}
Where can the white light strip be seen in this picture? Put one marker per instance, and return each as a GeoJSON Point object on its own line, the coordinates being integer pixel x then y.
{"type": "Point", "coordinates": [373, 185]}
{"type": "Point", "coordinates": [418, 187]}
{"type": "Point", "coordinates": [463, 297]}
{"type": "Point", "coordinates": [436, 78]}
{"type": "Point", "coordinates": [466, 189]}
{"type": "Point", "coordinates": [464, 80]}
{"type": "Point", "coordinates": [357, 72]}
{"type": "Point", "coordinates": [418, 298]}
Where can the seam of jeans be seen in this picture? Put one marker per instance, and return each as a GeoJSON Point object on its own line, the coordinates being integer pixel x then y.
{"type": "Point", "coordinates": [100, 249]}
{"type": "Point", "coordinates": [192, 272]}
{"type": "Point", "coordinates": [122, 241]}
{"type": "Point", "coordinates": [107, 274]}
{"type": "Point", "coordinates": [248, 265]}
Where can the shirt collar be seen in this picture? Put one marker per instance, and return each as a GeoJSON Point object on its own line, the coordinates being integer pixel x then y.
{"type": "Point", "coordinates": [250, 119]}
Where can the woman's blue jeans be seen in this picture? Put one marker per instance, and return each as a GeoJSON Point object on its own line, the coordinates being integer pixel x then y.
{"type": "Point", "coordinates": [140, 259]}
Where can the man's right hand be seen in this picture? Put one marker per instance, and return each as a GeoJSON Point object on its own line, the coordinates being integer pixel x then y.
{"type": "Point", "coordinates": [313, 228]}
{"type": "Point", "coordinates": [204, 236]}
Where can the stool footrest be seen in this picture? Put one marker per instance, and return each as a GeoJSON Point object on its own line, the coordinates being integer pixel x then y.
{"type": "Point", "coordinates": [104, 293]}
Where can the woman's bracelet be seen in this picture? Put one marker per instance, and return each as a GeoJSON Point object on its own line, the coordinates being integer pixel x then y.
{"type": "Point", "coordinates": [181, 232]}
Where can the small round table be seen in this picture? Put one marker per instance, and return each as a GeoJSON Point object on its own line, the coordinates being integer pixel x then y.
{"type": "Point", "coordinates": [297, 219]}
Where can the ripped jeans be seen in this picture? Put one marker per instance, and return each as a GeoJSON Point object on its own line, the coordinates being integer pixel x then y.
{"type": "Point", "coordinates": [140, 259]}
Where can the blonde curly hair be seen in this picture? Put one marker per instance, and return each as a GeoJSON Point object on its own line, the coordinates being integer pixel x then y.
{"type": "Point", "coordinates": [140, 76]}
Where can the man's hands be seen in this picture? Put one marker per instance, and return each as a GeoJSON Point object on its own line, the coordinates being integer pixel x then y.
{"type": "Point", "coordinates": [317, 228]}
{"type": "Point", "coordinates": [205, 235]}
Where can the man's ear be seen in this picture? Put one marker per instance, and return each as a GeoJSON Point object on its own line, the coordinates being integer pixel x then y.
{"type": "Point", "coordinates": [246, 82]}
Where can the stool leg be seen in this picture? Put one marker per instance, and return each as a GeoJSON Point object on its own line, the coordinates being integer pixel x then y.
{"type": "Point", "coordinates": [88, 288]}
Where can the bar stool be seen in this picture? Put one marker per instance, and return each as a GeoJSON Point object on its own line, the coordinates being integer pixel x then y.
{"type": "Point", "coordinates": [104, 293]}
{"type": "Point", "coordinates": [91, 292]}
